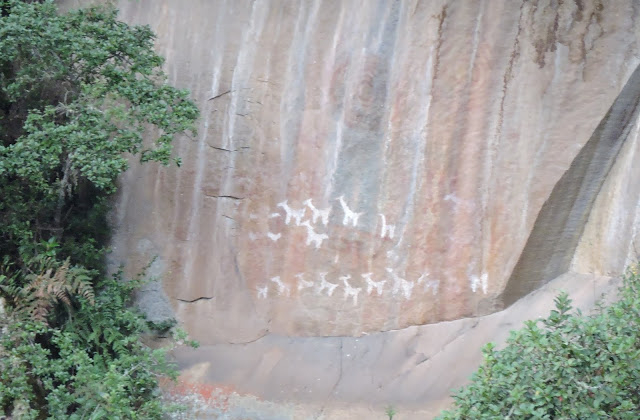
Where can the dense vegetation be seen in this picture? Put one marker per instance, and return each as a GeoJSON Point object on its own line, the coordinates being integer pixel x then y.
{"type": "Point", "coordinates": [77, 93]}
{"type": "Point", "coordinates": [568, 366]}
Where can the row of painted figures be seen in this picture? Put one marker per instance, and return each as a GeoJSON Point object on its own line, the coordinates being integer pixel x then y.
{"type": "Point", "coordinates": [398, 285]}
{"type": "Point", "coordinates": [292, 214]}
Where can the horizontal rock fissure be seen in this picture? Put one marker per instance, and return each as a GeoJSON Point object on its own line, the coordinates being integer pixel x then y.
{"type": "Point", "coordinates": [229, 150]}
{"type": "Point", "coordinates": [195, 300]}
{"type": "Point", "coordinates": [233, 197]}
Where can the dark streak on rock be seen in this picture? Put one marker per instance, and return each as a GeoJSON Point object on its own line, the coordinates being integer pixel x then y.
{"type": "Point", "coordinates": [441, 18]}
{"type": "Point", "coordinates": [508, 74]}
{"type": "Point", "coordinates": [580, 5]}
{"type": "Point", "coordinates": [548, 42]}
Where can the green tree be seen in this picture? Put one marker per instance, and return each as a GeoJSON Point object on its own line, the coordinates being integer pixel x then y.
{"type": "Point", "coordinates": [77, 93]}
{"type": "Point", "coordinates": [81, 93]}
{"type": "Point", "coordinates": [568, 366]}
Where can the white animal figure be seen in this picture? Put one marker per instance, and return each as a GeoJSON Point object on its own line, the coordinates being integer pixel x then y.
{"type": "Point", "coordinates": [262, 292]}
{"type": "Point", "coordinates": [317, 213]}
{"type": "Point", "coordinates": [274, 236]}
{"type": "Point", "coordinates": [434, 285]}
{"type": "Point", "coordinates": [458, 202]}
{"type": "Point", "coordinates": [422, 278]}
{"type": "Point", "coordinates": [350, 290]}
{"type": "Point", "coordinates": [349, 215]}
{"type": "Point", "coordinates": [282, 288]}
{"type": "Point", "coordinates": [274, 215]}
{"type": "Point", "coordinates": [400, 283]}
{"type": "Point", "coordinates": [324, 284]}
{"type": "Point", "coordinates": [482, 281]}
{"type": "Point", "coordinates": [378, 285]}
{"type": "Point", "coordinates": [387, 230]}
{"type": "Point", "coordinates": [314, 237]}
{"type": "Point", "coordinates": [253, 236]}
{"type": "Point", "coordinates": [292, 213]}
{"type": "Point", "coordinates": [302, 283]}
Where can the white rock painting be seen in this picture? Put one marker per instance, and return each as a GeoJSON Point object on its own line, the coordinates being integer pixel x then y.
{"type": "Point", "coordinates": [387, 230]}
{"type": "Point", "coordinates": [324, 284]}
{"type": "Point", "coordinates": [350, 291]}
{"type": "Point", "coordinates": [349, 215]}
{"type": "Point", "coordinates": [262, 292]}
{"type": "Point", "coordinates": [290, 213]}
{"type": "Point", "coordinates": [401, 284]}
{"type": "Point", "coordinates": [378, 285]}
{"type": "Point", "coordinates": [312, 236]}
{"type": "Point", "coordinates": [482, 281]}
{"type": "Point", "coordinates": [433, 285]}
{"type": "Point", "coordinates": [283, 289]}
{"type": "Point", "coordinates": [274, 236]}
{"type": "Point", "coordinates": [302, 283]}
{"type": "Point", "coordinates": [322, 214]}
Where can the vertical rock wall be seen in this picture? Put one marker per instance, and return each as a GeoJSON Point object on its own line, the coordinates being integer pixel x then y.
{"type": "Point", "coordinates": [369, 165]}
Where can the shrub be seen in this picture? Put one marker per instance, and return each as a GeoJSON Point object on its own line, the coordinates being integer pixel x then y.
{"type": "Point", "coordinates": [92, 366]}
{"type": "Point", "coordinates": [568, 366]}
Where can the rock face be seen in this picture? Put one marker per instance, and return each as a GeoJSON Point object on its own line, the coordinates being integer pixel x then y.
{"type": "Point", "coordinates": [369, 166]}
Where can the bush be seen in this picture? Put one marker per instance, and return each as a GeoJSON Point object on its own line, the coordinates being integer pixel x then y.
{"type": "Point", "coordinates": [568, 366]}
{"type": "Point", "coordinates": [92, 366]}
{"type": "Point", "coordinates": [77, 93]}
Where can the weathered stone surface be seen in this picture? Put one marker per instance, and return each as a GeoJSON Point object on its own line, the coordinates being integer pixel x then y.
{"type": "Point", "coordinates": [444, 127]}
{"type": "Point", "coordinates": [412, 369]}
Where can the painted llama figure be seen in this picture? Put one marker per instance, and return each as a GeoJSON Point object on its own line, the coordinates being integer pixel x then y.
{"type": "Point", "coordinates": [292, 213]}
{"type": "Point", "coordinates": [378, 285]}
{"type": "Point", "coordinates": [302, 283]}
{"type": "Point", "coordinates": [314, 237]}
{"type": "Point", "coordinates": [482, 281]}
{"type": "Point", "coordinates": [434, 285]}
{"type": "Point", "coordinates": [324, 284]}
{"type": "Point", "coordinates": [387, 230]}
{"type": "Point", "coordinates": [350, 291]}
{"type": "Point", "coordinates": [274, 236]}
{"type": "Point", "coordinates": [400, 283]}
{"type": "Point", "coordinates": [282, 288]}
{"type": "Point", "coordinates": [318, 213]}
{"type": "Point", "coordinates": [262, 292]}
{"type": "Point", "coordinates": [349, 215]}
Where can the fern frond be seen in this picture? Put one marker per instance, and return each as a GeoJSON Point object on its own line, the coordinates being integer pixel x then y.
{"type": "Point", "coordinates": [53, 284]}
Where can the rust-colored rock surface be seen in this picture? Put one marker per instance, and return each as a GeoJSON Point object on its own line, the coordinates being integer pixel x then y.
{"type": "Point", "coordinates": [364, 166]}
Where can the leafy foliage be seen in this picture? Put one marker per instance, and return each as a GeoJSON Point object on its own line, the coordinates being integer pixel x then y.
{"type": "Point", "coordinates": [567, 366]}
{"type": "Point", "coordinates": [77, 93]}
{"type": "Point", "coordinates": [80, 94]}
{"type": "Point", "coordinates": [94, 366]}
{"type": "Point", "coordinates": [51, 284]}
